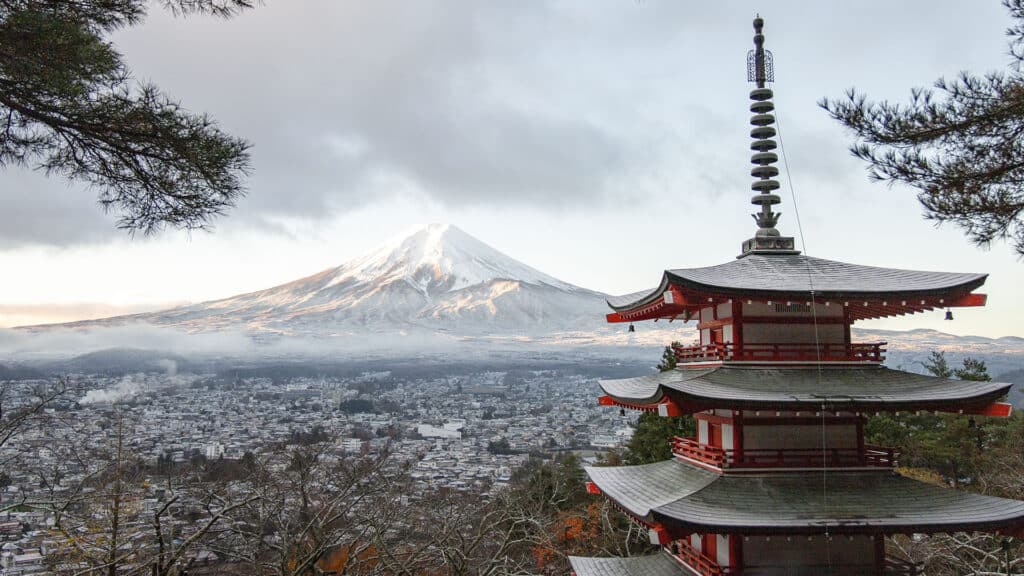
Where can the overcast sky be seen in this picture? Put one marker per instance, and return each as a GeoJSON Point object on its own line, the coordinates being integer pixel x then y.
{"type": "Point", "coordinates": [599, 141]}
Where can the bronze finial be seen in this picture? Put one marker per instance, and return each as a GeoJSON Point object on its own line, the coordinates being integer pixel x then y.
{"type": "Point", "coordinates": [760, 70]}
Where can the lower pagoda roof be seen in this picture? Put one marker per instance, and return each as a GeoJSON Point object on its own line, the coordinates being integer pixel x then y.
{"type": "Point", "coordinates": [686, 499]}
{"type": "Point", "coordinates": [660, 564]}
{"type": "Point", "coordinates": [865, 388]}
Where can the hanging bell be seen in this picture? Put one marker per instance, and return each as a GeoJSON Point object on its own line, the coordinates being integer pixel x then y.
{"type": "Point", "coordinates": [949, 314]}
{"type": "Point", "coordinates": [631, 327]}
{"type": "Point", "coordinates": [622, 411]}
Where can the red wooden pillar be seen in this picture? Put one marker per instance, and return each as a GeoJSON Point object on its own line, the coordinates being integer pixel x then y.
{"type": "Point", "coordinates": [709, 546]}
{"type": "Point", "coordinates": [736, 554]}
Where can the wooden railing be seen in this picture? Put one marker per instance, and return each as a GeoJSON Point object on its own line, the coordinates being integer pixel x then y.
{"type": "Point", "coordinates": [698, 561]}
{"type": "Point", "coordinates": [690, 448]}
{"type": "Point", "coordinates": [707, 566]}
{"type": "Point", "coordinates": [856, 352]}
{"type": "Point", "coordinates": [870, 456]}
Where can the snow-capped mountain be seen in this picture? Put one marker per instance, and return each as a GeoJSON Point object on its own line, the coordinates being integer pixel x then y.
{"type": "Point", "coordinates": [438, 278]}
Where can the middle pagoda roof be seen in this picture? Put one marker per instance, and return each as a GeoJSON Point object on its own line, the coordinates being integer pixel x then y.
{"type": "Point", "coordinates": [685, 498]}
{"type": "Point", "coordinates": [849, 388]}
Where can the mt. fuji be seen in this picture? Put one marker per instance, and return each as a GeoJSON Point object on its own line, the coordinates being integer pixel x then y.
{"type": "Point", "coordinates": [437, 278]}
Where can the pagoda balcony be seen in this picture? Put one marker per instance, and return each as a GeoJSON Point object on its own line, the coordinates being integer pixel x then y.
{"type": "Point", "coordinates": [868, 353]}
{"type": "Point", "coordinates": [870, 457]}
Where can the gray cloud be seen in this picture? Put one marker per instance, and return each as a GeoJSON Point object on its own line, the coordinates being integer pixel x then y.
{"type": "Point", "coordinates": [36, 209]}
{"type": "Point", "coordinates": [561, 105]}
{"type": "Point", "coordinates": [466, 103]}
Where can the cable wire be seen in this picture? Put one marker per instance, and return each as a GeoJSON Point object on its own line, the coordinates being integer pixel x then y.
{"type": "Point", "coordinates": [817, 337]}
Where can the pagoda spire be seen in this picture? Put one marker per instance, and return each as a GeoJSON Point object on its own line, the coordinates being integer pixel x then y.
{"type": "Point", "coordinates": [760, 70]}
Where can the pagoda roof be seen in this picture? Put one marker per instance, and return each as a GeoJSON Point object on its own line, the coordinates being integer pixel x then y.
{"type": "Point", "coordinates": [660, 564]}
{"type": "Point", "coordinates": [646, 487]}
{"type": "Point", "coordinates": [799, 503]}
{"type": "Point", "coordinates": [800, 276]}
{"type": "Point", "coordinates": [865, 388]}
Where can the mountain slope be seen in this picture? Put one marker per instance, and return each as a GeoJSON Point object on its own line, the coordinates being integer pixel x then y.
{"type": "Point", "coordinates": [438, 277]}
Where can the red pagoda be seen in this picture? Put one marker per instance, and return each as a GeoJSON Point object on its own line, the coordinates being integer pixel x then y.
{"type": "Point", "coordinates": [779, 479]}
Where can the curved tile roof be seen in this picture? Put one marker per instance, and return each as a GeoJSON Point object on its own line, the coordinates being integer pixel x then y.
{"type": "Point", "coordinates": [755, 387]}
{"type": "Point", "coordinates": [660, 564]}
{"type": "Point", "coordinates": [849, 501]}
{"type": "Point", "coordinates": [798, 274]}
{"type": "Point", "coordinates": [692, 499]}
{"type": "Point", "coordinates": [642, 488]}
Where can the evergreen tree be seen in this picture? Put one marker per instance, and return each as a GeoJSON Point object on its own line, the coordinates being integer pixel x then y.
{"type": "Point", "coordinates": [949, 444]}
{"type": "Point", "coordinates": [69, 106]}
{"type": "Point", "coordinates": [936, 365]}
{"type": "Point", "coordinates": [668, 358]}
{"type": "Point", "coordinates": [960, 148]}
{"type": "Point", "coordinates": [650, 441]}
{"type": "Point", "coordinates": [973, 369]}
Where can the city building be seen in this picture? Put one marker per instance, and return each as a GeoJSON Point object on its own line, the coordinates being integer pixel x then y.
{"type": "Point", "coordinates": [779, 479]}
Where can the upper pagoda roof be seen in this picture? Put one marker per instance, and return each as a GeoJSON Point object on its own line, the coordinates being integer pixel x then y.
{"type": "Point", "coordinates": [800, 276]}
{"type": "Point", "coordinates": [660, 564]}
{"type": "Point", "coordinates": [862, 388]}
{"type": "Point", "coordinates": [681, 496]}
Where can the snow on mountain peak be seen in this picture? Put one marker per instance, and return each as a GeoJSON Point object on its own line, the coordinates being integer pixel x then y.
{"type": "Point", "coordinates": [439, 258]}
{"type": "Point", "coordinates": [436, 277]}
